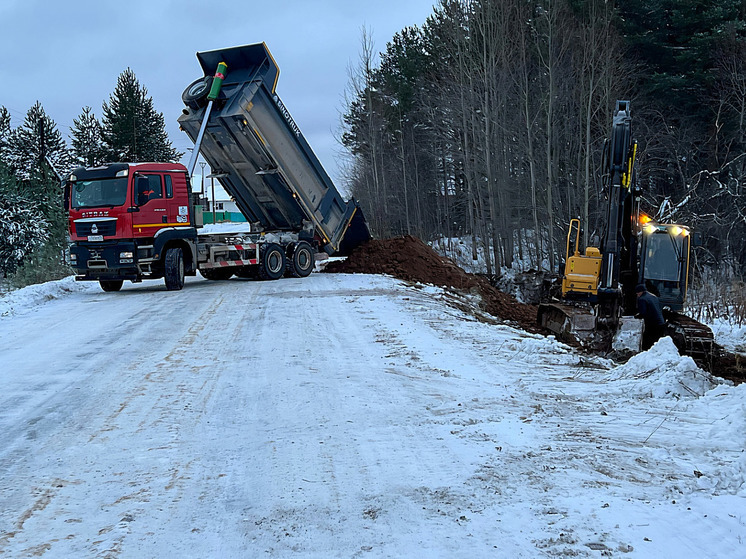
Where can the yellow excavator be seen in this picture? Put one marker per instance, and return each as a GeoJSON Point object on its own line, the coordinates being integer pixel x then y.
{"type": "Point", "coordinates": [598, 301]}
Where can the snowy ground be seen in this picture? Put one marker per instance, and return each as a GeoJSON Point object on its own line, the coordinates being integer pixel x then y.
{"type": "Point", "coordinates": [730, 336]}
{"type": "Point", "coordinates": [347, 416]}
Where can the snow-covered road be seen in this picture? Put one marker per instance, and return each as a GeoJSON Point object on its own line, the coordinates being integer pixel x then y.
{"type": "Point", "coordinates": [348, 416]}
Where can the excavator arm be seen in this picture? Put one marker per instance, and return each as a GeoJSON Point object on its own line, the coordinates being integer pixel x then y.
{"type": "Point", "coordinates": [620, 262]}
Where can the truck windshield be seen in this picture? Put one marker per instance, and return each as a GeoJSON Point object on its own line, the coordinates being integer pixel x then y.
{"type": "Point", "coordinates": [662, 256]}
{"type": "Point", "coordinates": [99, 193]}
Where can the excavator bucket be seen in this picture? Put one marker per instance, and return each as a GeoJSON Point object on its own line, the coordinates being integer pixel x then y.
{"type": "Point", "coordinates": [574, 325]}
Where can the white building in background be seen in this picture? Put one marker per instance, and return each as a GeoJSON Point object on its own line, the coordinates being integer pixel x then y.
{"type": "Point", "coordinates": [225, 206]}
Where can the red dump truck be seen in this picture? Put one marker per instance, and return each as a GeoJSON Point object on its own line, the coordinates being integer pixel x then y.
{"type": "Point", "coordinates": [136, 221]}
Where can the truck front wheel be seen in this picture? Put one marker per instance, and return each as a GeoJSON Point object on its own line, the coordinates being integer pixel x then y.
{"type": "Point", "coordinates": [272, 261]}
{"type": "Point", "coordinates": [174, 276]}
{"type": "Point", "coordinates": [111, 285]}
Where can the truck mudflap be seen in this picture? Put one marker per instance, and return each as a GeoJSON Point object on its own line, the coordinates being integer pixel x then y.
{"type": "Point", "coordinates": [259, 155]}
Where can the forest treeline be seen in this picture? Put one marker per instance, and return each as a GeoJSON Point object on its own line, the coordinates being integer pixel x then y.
{"type": "Point", "coordinates": [489, 119]}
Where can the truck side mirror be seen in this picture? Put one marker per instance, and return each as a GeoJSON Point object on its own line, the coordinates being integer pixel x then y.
{"type": "Point", "coordinates": [142, 185]}
{"type": "Point", "coordinates": [697, 239]}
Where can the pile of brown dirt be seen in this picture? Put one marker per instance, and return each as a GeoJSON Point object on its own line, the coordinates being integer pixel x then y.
{"type": "Point", "coordinates": [408, 258]}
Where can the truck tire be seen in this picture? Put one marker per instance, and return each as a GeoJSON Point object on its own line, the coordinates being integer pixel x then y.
{"type": "Point", "coordinates": [174, 276]}
{"type": "Point", "coordinates": [111, 285]}
{"type": "Point", "coordinates": [195, 95]}
{"type": "Point", "coordinates": [302, 260]}
{"type": "Point", "coordinates": [272, 262]}
{"type": "Point", "coordinates": [217, 274]}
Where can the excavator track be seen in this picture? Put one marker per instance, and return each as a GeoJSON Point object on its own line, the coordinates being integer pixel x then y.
{"type": "Point", "coordinates": [691, 338]}
{"type": "Point", "coordinates": [575, 324]}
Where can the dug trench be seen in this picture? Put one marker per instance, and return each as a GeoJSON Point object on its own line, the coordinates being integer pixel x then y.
{"type": "Point", "coordinates": [409, 259]}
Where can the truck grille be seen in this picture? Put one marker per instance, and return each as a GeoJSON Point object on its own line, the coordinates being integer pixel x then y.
{"type": "Point", "coordinates": [100, 227]}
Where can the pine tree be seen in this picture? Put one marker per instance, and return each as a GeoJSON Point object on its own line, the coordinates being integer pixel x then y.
{"type": "Point", "coordinates": [35, 144]}
{"type": "Point", "coordinates": [132, 129]}
{"type": "Point", "coordinates": [87, 139]}
{"type": "Point", "coordinates": [4, 133]}
{"type": "Point", "coordinates": [36, 152]}
{"type": "Point", "coordinates": [23, 227]}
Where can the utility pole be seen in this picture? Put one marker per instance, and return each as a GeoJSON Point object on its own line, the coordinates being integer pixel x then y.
{"type": "Point", "coordinates": [202, 164]}
{"type": "Point", "coordinates": [212, 182]}
{"type": "Point", "coordinates": [212, 177]}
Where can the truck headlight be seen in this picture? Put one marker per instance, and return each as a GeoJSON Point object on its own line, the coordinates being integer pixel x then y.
{"type": "Point", "coordinates": [126, 257]}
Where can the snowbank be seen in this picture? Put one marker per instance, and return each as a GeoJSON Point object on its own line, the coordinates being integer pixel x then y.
{"type": "Point", "coordinates": [226, 227]}
{"type": "Point", "coordinates": [661, 372]}
{"type": "Point", "coordinates": [730, 336]}
{"type": "Point", "coordinates": [720, 417]}
{"type": "Point", "coordinates": [28, 298]}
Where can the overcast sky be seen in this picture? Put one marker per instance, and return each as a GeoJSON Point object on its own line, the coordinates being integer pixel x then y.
{"type": "Point", "coordinates": [69, 54]}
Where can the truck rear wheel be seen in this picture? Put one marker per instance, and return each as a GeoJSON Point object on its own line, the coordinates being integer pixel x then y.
{"type": "Point", "coordinates": [272, 262]}
{"type": "Point", "coordinates": [302, 260]}
{"type": "Point", "coordinates": [111, 285]}
{"type": "Point", "coordinates": [174, 276]}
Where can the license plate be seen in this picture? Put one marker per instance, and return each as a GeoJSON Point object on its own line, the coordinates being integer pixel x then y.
{"type": "Point", "coordinates": [95, 237]}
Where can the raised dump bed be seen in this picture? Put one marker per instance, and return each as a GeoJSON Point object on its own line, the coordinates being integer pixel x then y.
{"type": "Point", "coordinates": [260, 156]}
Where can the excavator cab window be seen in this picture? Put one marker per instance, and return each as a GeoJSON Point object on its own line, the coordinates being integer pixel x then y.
{"type": "Point", "coordinates": [662, 257]}
{"type": "Point", "coordinates": [664, 264]}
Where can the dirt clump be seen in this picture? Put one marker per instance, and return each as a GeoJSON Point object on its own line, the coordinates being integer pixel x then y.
{"type": "Point", "coordinates": [409, 259]}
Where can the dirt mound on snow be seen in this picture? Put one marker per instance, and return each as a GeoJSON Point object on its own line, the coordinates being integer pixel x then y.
{"type": "Point", "coordinates": [410, 259]}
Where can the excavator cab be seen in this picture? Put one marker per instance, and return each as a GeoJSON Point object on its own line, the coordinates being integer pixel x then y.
{"type": "Point", "coordinates": [664, 263]}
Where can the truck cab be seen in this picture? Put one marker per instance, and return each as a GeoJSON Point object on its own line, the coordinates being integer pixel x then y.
{"type": "Point", "coordinates": [123, 218]}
